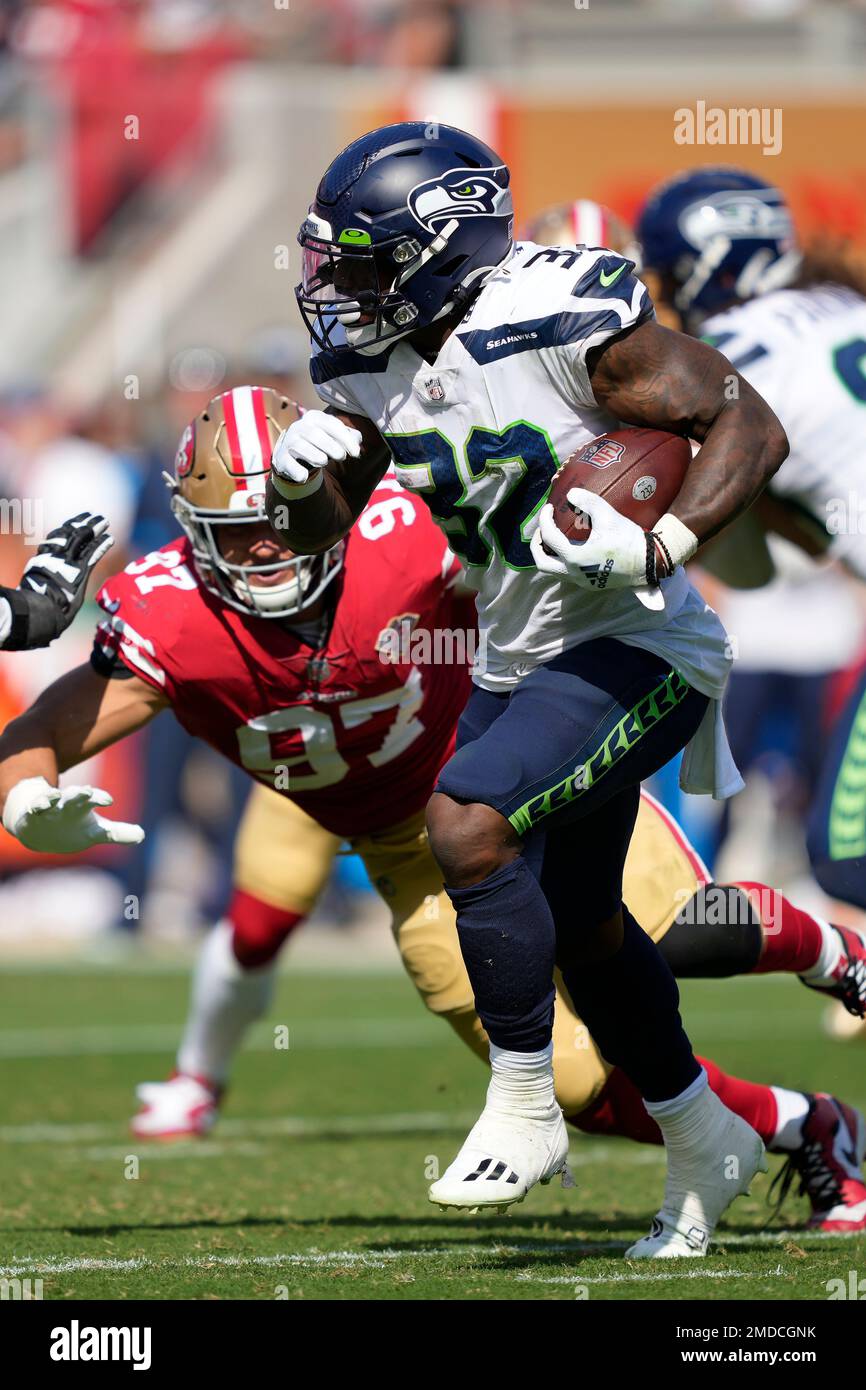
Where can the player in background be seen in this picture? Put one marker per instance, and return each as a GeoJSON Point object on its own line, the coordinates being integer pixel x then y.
{"type": "Point", "coordinates": [481, 365]}
{"type": "Point", "coordinates": [793, 323]}
{"type": "Point", "coordinates": [187, 627]}
{"type": "Point", "coordinates": [53, 585]}
{"type": "Point", "coordinates": [584, 223]}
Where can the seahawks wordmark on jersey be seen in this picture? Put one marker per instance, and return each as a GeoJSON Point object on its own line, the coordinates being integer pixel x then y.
{"type": "Point", "coordinates": [805, 352]}
{"type": "Point", "coordinates": [480, 433]}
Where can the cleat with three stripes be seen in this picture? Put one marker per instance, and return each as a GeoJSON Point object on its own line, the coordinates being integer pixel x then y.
{"type": "Point", "coordinates": [504, 1156]}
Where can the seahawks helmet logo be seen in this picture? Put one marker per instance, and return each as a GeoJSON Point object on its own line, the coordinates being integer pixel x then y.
{"type": "Point", "coordinates": [737, 214]}
{"type": "Point", "coordinates": [460, 193]}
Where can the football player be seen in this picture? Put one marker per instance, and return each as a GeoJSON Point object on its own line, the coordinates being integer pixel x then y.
{"type": "Point", "coordinates": [249, 645]}
{"type": "Point", "coordinates": [723, 245]}
{"type": "Point", "coordinates": [187, 627]}
{"type": "Point", "coordinates": [480, 365]}
{"type": "Point", "coordinates": [53, 585]}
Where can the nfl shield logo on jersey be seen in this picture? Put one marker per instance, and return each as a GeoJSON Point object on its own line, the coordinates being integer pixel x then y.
{"type": "Point", "coordinates": [434, 388]}
{"type": "Point", "coordinates": [601, 453]}
{"type": "Point", "coordinates": [318, 670]}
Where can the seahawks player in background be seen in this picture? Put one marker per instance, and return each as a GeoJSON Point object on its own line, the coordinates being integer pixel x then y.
{"type": "Point", "coordinates": [480, 365]}
{"type": "Point", "coordinates": [53, 585]}
{"type": "Point", "coordinates": [722, 245]}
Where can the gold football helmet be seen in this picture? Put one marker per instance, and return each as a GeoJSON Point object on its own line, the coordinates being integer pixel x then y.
{"type": "Point", "coordinates": [584, 223]}
{"type": "Point", "coordinates": [220, 471]}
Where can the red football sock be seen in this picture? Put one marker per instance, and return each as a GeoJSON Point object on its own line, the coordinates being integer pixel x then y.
{"type": "Point", "coordinates": [258, 929]}
{"type": "Point", "coordinates": [752, 1102]}
{"type": "Point", "coordinates": [619, 1109]}
{"type": "Point", "coordinates": [792, 937]}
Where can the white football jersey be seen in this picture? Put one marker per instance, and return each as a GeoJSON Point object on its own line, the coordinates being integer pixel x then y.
{"type": "Point", "coordinates": [805, 352]}
{"type": "Point", "coordinates": [481, 432]}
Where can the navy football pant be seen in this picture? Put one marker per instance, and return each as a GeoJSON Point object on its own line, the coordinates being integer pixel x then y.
{"type": "Point", "coordinates": [562, 757]}
{"type": "Point", "coordinates": [837, 820]}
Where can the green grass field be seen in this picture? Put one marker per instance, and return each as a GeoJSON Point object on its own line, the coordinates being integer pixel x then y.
{"type": "Point", "coordinates": [314, 1183]}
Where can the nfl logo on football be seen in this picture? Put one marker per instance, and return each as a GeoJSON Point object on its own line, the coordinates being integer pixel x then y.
{"type": "Point", "coordinates": [601, 453]}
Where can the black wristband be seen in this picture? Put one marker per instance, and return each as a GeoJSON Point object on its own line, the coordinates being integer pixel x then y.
{"type": "Point", "coordinates": [35, 620]}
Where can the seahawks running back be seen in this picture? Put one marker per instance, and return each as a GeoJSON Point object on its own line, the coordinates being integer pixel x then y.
{"type": "Point", "coordinates": [480, 365]}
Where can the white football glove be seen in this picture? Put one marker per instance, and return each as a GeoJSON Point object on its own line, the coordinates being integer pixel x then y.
{"type": "Point", "coordinates": [617, 554]}
{"type": "Point", "coordinates": [62, 820]}
{"type": "Point", "coordinates": [309, 444]}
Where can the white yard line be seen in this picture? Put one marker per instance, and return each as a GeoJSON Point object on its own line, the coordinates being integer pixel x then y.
{"type": "Point", "coordinates": [376, 1259]}
{"type": "Point", "coordinates": [309, 1035]}
{"type": "Point", "coordinates": [578, 1278]}
{"type": "Point", "coordinates": [312, 1258]}
{"type": "Point", "coordinates": [290, 1126]}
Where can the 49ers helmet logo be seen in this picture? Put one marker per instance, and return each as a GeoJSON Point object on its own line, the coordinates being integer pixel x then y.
{"type": "Point", "coordinates": [185, 452]}
{"type": "Point", "coordinates": [601, 453]}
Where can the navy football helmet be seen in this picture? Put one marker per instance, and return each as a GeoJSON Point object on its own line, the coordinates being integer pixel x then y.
{"type": "Point", "coordinates": [407, 224]}
{"type": "Point", "coordinates": [716, 236]}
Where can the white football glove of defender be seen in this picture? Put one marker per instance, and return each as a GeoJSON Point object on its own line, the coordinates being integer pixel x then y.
{"type": "Point", "coordinates": [618, 553]}
{"type": "Point", "coordinates": [308, 445]}
{"type": "Point", "coordinates": [62, 820]}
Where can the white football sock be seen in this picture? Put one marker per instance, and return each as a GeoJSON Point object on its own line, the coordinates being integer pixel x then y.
{"type": "Point", "coordinates": [224, 1001]}
{"type": "Point", "coordinates": [522, 1080]}
{"type": "Point", "coordinates": [821, 973]}
{"type": "Point", "coordinates": [680, 1119]}
{"type": "Point", "coordinates": [792, 1107]}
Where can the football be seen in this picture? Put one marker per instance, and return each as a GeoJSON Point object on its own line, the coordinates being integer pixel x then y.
{"type": "Point", "coordinates": [638, 471]}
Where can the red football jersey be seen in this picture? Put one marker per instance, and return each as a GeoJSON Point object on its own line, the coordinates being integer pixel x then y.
{"type": "Point", "coordinates": [355, 731]}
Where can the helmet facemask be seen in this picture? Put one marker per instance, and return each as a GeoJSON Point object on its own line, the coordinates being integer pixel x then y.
{"type": "Point", "coordinates": [307, 576]}
{"type": "Point", "coordinates": [352, 285]}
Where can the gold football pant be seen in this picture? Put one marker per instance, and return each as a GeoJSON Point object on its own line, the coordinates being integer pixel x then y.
{"type": "Point", "coordinates": [283, 857]}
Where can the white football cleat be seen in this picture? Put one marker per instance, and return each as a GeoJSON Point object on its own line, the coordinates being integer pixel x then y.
{"type": "Point", "coordinates": [184, 1107]}
{"type": "Point", "coordinates": [505, 1154]}
{"type": "Point", "coordinates": [704, 1177]}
